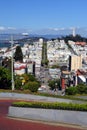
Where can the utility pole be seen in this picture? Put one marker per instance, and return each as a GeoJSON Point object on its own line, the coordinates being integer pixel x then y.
{"type": "Point", "coordinates": [44, 63]}
{"type": "Point", "coordinates": [12, 63]}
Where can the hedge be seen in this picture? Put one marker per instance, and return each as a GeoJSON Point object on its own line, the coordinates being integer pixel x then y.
{"type": "Point", "coordinates": [71, 91]}
{"type": "Point", "coordinates": [56, 105]}
{"type": "Point", "coordinates": [32, 86]}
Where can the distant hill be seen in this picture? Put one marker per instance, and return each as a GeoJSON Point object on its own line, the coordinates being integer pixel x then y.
{"type": "Point", "coordinates": [47, 36]}
{"type": "Point", "coordinates": [7, 37]}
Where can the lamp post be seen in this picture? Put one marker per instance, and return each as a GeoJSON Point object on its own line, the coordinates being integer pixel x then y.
{"type": "Point", "coordinates": [12, 64]}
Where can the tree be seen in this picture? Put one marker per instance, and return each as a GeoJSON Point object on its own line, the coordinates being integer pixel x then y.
{"type": "Point", "coordinates": [7, 63]}
{"type": "Point", "coordinates": [18, 56]}
{"type": "Point", "coordinates": [75, 39]}
{"type": "Point", "coordinates": [44, 61]}
{"type": "Point", "coordinates": [5, 78]}
{"type": "Point", "coordinates": [54, 83]}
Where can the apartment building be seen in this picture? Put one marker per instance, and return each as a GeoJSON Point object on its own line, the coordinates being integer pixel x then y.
{"type": "Point", "coordinates": [75, 62]}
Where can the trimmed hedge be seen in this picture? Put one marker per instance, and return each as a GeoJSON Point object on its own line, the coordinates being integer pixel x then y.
{"type": "Point", "coordinates": [57, 105]}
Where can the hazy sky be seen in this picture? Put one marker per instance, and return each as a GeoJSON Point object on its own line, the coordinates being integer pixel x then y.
{"type": "Point", "coordinates": [38, 14]}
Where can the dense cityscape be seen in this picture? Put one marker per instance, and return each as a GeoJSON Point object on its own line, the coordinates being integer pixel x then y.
{"type": "Point", "coordinates": [49, 60]}
{"type": "Point", "coordinates": [43, 65]}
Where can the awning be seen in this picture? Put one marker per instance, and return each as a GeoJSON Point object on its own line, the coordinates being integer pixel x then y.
{"type": "Point", "coordinates": [82, 78]}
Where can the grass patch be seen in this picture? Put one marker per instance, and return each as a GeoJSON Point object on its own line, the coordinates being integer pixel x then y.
{"type": "Point", "coordinates": [15, 91]}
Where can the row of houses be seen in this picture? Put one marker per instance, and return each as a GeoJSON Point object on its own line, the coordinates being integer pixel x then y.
{"type": "Point", "coordinates": [32, 55]}
{"type": "Point", "coordinates": [57, 52]}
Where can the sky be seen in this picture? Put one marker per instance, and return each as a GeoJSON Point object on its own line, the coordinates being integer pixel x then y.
{"type": "Point", "coordinates": [42, 14]}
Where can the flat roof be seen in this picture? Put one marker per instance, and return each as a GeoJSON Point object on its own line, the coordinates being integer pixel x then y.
{"type": "Point", "coordinates": [65, 72]}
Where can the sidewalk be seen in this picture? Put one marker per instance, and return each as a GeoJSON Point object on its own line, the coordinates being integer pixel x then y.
{"type": "Point", "coordinates": [32, 97]}
{"type": "Point", "coordinates": [35, 98]}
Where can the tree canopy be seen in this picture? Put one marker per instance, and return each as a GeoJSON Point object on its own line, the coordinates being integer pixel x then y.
{"type": "Point", "coordinates": [18, 56]}
{"type": "Point", "coordinates": [5, 78]}
{"type": "Point", "coordinates": [75, 39]}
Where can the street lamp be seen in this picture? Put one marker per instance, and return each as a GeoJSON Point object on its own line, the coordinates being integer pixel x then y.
{"type": "Point", "coordinates": [12, 63]}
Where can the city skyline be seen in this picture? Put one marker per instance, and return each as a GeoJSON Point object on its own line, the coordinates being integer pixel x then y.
{"type": "Point", "coordinates": [42, 15]}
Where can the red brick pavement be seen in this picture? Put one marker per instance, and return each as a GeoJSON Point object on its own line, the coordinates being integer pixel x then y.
{"type": "Point", "coordinates": [14, 124]}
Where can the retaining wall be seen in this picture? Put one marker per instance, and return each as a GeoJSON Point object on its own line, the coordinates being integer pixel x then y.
{"type": "Point", "coordinates": [64, 116]}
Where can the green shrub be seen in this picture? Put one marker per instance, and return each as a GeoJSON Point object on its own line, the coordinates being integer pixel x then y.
{"type": "Point", "coordinates": [31, 77]}
{"type": "Point", "coordinates": [32, 86]}
{"type": "Point", "coordinates": [71, 91]}
{"type": "Point", "coordinates": [18, 83]}
{"type": "Point", "coordinates": [82, 88]}
{"type": "Point", "coordinates": [25, 87]}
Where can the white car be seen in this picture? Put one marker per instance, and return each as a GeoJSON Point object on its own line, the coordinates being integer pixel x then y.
{"type": "Point", "coordinates": [42, 88]}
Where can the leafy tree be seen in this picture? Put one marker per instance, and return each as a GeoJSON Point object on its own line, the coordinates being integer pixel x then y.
{"type": "Point", "coordinates": [75, 39]}
{"type": "Point", "coordinates": [44, 61]}
{"type": "Point", "coordinates": [55, 66]}
{"type": "Point", "coordinates": [54, 84]}
{"type": "Point", "coordinates": [7, 63]}
{"type": "Point", "coordinates": [18, 56]}
{"type": "Point", "coordinates": [5, 78]}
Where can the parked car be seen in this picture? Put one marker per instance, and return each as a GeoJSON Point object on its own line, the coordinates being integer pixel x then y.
{"type": "Point", "coordinates": [42, 88]}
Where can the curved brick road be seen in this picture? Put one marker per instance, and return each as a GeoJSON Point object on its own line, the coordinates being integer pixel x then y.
{"type": "Point", "coordinates": [13, 124]}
